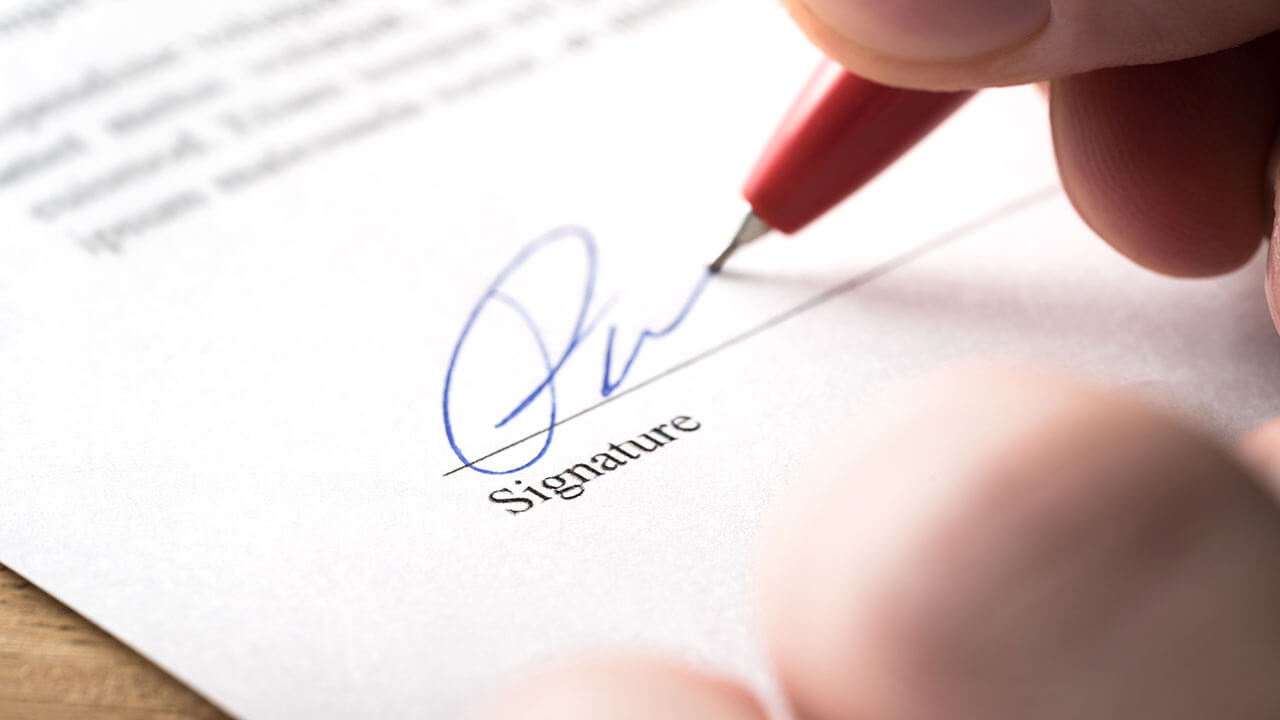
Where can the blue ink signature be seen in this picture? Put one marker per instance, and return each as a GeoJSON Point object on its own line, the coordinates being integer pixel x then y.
{"type": "Point", "coordinates": [585, 324]}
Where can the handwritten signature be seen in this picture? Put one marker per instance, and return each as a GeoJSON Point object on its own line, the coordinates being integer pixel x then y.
{"type": "Point", "coordinates": [587, 319]}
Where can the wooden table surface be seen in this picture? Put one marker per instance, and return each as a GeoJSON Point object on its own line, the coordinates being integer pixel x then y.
{"type": "Point", "coordinates": [55, 664]}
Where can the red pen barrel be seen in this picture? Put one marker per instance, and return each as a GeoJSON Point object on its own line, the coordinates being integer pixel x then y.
{"type": "Point", "coordinates": [842, 132]}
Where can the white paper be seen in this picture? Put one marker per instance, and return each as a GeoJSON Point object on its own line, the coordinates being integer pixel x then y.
{"type": "Point", "coordinates": [239, 243]}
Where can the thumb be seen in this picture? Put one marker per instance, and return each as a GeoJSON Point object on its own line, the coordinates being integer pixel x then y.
{"type": "Point", "coordinates": [975, 43]}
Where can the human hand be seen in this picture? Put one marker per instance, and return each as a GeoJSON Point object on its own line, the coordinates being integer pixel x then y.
{"type": "Point", "coordinates": [1172, 161]}
{"type": "Point", "coordinates": [996, 546]}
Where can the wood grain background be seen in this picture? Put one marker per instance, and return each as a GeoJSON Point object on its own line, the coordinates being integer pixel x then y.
{"type": "Point", "coordinates": [56, 665]}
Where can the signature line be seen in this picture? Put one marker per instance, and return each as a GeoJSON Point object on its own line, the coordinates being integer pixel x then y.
{"type": "Point", "coordinates": [1013, 208]}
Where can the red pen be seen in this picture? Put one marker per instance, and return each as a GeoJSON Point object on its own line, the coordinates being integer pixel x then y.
{"type": "Point", "coordinates": [842, 132]}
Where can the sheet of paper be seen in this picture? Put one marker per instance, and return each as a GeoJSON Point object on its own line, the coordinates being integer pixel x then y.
{"type": "Point", "coordinates": [355, 356]}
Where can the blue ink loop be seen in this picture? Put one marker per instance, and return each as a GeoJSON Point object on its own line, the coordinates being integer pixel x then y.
{"type": "Point", "coordinates": [492, 292]}
{"type": "Point", "coordinates": [582, 329]}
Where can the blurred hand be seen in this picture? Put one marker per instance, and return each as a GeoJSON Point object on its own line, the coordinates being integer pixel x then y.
{"type": "Point", "coordinates": [1164, 112]}
{"type": "Point", "coordinates": [1018, 547]}
{"type": "Point", "coordinates": [996, 546]}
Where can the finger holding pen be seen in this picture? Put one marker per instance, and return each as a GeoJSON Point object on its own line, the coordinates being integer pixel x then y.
{"type": "Point", "coordinates": [1165, 114]}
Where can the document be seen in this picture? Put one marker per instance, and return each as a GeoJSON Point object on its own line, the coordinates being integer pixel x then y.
{"type": "Point", "coordinates": [356, 357]}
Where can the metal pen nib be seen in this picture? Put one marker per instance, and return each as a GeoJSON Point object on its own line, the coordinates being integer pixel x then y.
{"type": "Point", "coordinates": [753, 228]}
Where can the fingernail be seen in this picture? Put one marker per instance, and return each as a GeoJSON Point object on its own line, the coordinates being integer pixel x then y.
{"type": "Point", "coordinates": [1273, 270]}
{"type": "Point", "coordinates": [1273, 250]}
{"type": "Point", "coordinates": [932, 30]}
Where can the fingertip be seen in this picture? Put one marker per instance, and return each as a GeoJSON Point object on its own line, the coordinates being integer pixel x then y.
{"type": "Point", "coordinates": [931, 32]}
{"type": "Point", "coordinates": [891, 68]}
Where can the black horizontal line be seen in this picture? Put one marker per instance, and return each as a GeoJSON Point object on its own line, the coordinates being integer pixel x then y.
{"type": "Point", "coordinates": [1027, 201]}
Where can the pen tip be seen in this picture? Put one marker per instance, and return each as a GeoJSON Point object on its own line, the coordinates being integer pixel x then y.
{"type": "Point", "coordinates": [718, 264]}
{"type": "Point", "coordinates": [753, 228]}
